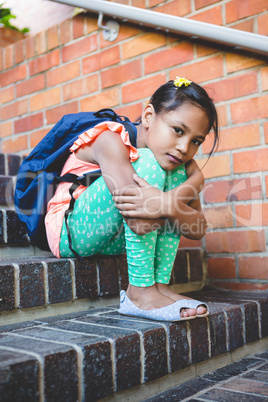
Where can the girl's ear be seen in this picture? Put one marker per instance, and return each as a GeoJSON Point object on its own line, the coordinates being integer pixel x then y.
{"type": "Point", "coordinates": [147, 115]}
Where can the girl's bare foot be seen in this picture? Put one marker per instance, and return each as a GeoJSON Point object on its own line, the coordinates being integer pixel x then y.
{"type": "Point", "coordinates": [150, 298]}
{"type": "Point", "coordinates": [165, 290]}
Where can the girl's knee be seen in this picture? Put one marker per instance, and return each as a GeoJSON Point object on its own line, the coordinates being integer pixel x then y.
{"type": "Point", "coordinates": [149, 169]}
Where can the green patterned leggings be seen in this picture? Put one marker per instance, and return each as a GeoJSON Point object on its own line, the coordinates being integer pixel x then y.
{"type": "Point", "coordinates": [97, 227]}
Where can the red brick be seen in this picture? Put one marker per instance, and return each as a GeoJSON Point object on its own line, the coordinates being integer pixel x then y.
{"type": "Point", "coordinates": [153, 3]}
{"type": "Point", "coordinates": [6, 129]}
{"type": "Point", "coordinates": [211, 16]}
{"type": "Point", "coordinates": [91, 63]}
{"type": "Point", "coordinates": [264, 78]}
{"type": "Point", "coordinates": [1, 59]}
{"type": "Point", "coordinates": [34, 84]}
{"type": "Point", "coordinates": [29, 47]}
{"type": "Point", "coordinates": [91, 24]}
{"type": "Point", "coordinates": [28, 123]}
{"type": "Point", "coordinates": [45, 99]}
{"type": "Point", "coordinates": [14, 109]}
{"type": "Point", "coordinates": [219, 217]}
{"type": "Point", "coordinates": [54, 115]}
{"type": "Point", "coordinates": [222, 115]}
{"type": "Point", "coordinates": [108, 98]}
{"type": "Point", "coordinates": [37, 136]}
{"type": "Point", "coordinates": [133, 112]}
{"type": "Point", "coordinates": [65, 31]}
{"type": "Point", "coordinates": [40, 42]}
{"type": "Point", "coordinates": [169, 57]}
{"type": "Point", "coordinates": [265, 126]}
{"type": "Point", "coordinates": [263, 24]}
{"type": "Point", "coordinates": [78, 26]}
{"type": "Point", "coordinates": [217, 165]}
{"type": "Point", "coordinates": [101, 60]}
{"type": "Point", "coordinates": [120, 74]}
{"type": "Point", "coordinates": [142, 89]}
{"type": "Point", "coordinates": [64, 73]}
{"type": "Point", "coordinates": [235, 87]}
{"type": "Point", "coordinates": [246, 188]}
{"type": "Point", "coordinates": [238, 241]}
{"type": "Point", "coordinates": [142, 44]}
{"type": "Point", "coordinates": [204, 50]}
{"type": "Point", "coordinates": [240, 286]}
{"type": "Point", "coordinates": [235, 137]}
{"type": "Point", "coordinates": [236, 62]}
{"type": "Point", "coordinates": [201, 71]}
{"type": "Point", "coordinates": [140, 3]}
{"type": "Point", "coordinates": [19, 52]}
{"type": "Point", "coordinates": [253, 267]}
{"type": "Point", "coordinates": [9, 56]}
{"type": "Point", "coordinates": [7, 94]}
{"type": "Point", "coordinates": [252, 215]}
{"type": "Point", "coordinates": [251, 161]}
{"type": "Point", "coordinates": [44, 62]}
{"type": "Point", "coordinates": [15, 74]}
{"type": "Point", "coordinates": [204, 3]}
{"type": "Point", "coordinates": [250, 109]}
{"type": "Point", "coordinates": [178, 8]}
{"type": "Point", "coordinates": [81, 87]}
{"type": "Point", "coordinates": [221, 268]}
{"type": "Point", "coordinates": [52, 37]}
{"type": "Point", "coordinates": [236, 9]}
{"type": "Point", "coordinates": [247, 26]}
{"type": "Point", "coordinates": [79, 48]}
{"type": "Point", "coordinates": [11, 146]}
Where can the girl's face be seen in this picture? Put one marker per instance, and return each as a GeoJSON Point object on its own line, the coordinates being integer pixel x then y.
{"type": "Point", "coordinates": [175, 136]}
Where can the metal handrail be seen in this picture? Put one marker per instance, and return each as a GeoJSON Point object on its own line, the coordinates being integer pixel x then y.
{"type": "Point", "coordinates": [196, 29]}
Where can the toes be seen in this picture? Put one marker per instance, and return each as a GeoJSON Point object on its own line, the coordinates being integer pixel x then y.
{"type": "Point", "coordinates": [184, 313]}
{"type": "Point", "coordinates": [201, 310]}
{"type": "Point", "coordinates": [189, 312]}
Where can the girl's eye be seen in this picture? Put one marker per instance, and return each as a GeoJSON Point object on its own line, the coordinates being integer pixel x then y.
{"type": "Point", "coordinates": [197, 142]}
{"type": "Point", "coordinates": [178, 130]}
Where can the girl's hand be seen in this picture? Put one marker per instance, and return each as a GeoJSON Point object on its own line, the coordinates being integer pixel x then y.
{"type": "Point", "coordinates": [142, 201]}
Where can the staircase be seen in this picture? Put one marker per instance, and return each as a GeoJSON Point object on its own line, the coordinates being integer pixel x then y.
{"type": "Point", "coordinates": [61, 338]}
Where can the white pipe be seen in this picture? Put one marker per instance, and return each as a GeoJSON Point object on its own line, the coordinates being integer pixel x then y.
{"type": "Point", "coordinates": [214, 33]}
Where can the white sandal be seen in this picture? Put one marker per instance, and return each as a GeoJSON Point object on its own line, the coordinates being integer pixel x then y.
{"type": "Point", "coordinates": [167, 313]}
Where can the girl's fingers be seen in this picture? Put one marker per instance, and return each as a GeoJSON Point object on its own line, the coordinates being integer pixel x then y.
{"type": "Point", "coordinates": [122, 199]}
{"type": "Point", "coordinates": [127, 192]}
{"type": "Point", "coordinates": [141, 182]}
{"type": "Point", "coordinates": [124, 207]}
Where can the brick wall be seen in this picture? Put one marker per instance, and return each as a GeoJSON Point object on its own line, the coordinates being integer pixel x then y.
{"type": "Point", "coordinates": [70, 68]}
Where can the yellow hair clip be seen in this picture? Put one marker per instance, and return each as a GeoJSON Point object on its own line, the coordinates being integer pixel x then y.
{"type": "Point", "coordinates": [179, 82]}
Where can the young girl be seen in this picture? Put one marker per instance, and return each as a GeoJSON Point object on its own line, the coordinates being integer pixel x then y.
{"type": "Point", "coordinates": [144, 200]}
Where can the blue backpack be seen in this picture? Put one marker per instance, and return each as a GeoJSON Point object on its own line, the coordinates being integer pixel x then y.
{"type": "Point", "coordinates": [39, 173]}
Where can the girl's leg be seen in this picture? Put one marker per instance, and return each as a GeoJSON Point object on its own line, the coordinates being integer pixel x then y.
{"type": "Point", "coordinates": [95, 224]}
{"type": "Point", "coordinates": [167, 245]}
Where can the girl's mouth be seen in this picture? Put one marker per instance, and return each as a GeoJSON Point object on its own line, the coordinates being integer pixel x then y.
{"type": "Point", "coordinates": [174, 159]}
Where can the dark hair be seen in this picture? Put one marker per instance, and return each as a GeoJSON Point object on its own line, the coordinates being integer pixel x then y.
{"type": "Point", "coordinates": [169, 97]}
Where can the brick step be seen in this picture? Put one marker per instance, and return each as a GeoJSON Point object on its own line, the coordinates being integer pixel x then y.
{"type": "Point", "coordinates": [97, 353]}
{"type": "Point", "coordinates": [9, 164]}
{"type": "Point", "coordinates": [45, 282]}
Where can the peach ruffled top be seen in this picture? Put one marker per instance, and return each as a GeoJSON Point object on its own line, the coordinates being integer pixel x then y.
{"type": "Point", "coordinates": [59, 203]}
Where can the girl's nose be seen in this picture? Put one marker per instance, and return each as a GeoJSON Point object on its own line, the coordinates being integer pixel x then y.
{"type": "Point", "coordinates": [182, 146]}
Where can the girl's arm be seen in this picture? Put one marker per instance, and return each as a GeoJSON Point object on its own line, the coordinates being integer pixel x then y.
{"type": "Point", "coordinates": [109, 152]}
{"type": "Point", "coordinates": [181, 206]}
